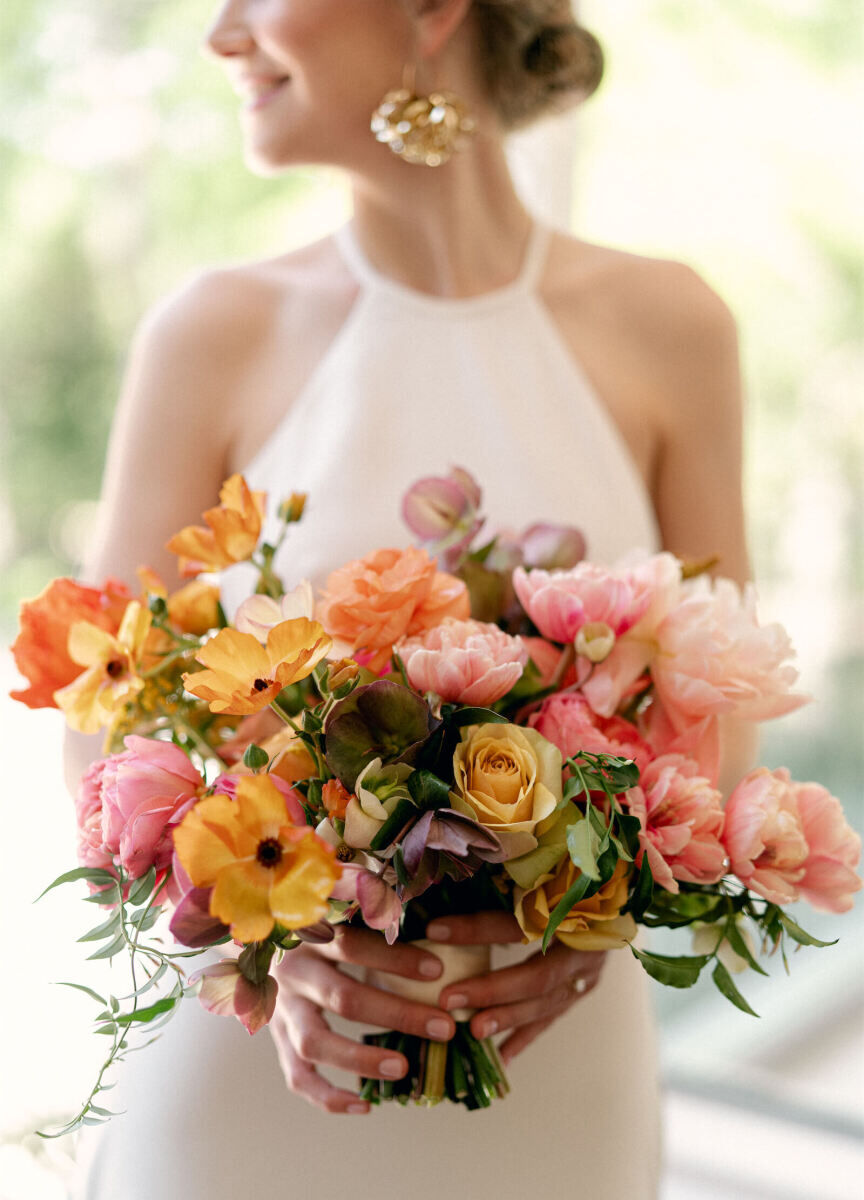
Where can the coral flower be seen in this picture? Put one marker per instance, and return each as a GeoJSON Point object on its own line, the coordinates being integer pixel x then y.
{"type": "Point", "coordinates": [41, 650]}
{"type": "Point", "coordinates": [371, 603]}
{"type": "Point", "coordinates": [234, 530]}
{"type": "Point", "coordinates": [469, 662]}
{"type": "Point", "coordinates": [244, 676]}
{"type": "Point", "coordinates": [110, 680]}
{"type": "Point", "coordinates": [261, 866]}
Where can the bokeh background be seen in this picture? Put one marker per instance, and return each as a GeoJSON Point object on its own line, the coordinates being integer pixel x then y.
{"type": "Point", "coordinates": [728, 135]}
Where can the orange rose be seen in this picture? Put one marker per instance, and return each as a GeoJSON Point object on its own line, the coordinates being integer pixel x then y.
{"type": "Point", "coordinates": [595, 923]}
{"type": "Point", "coordinates": [41, 648]}
{"type": "Point", "coordinates": [369, 604]}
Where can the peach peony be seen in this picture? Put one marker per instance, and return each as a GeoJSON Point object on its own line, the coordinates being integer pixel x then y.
{"type": "Point", "coordinates": [369, 604]}
{"type": "Point", "coordinates": [561, 602]}
{"type": "Point", "coordinates": [567, 721]}
{"type": "Point", "coordinates": [787, 840]}
{"type": "Point", "coordinates": [682, 819]}
{"type": "Point", "coordinates": [465, 662]}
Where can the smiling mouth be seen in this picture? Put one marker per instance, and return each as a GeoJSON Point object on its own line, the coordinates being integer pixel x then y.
{"type": "Point", "coordinates": [263, 93]}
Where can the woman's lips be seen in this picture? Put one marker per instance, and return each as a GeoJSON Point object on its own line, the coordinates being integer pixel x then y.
{"type": "Point", "coordinates": [262, 93]}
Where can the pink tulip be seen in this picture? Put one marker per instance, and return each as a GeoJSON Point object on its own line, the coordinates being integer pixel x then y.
{"type": "Point", "coordinates": [566, 720]}
{"type": "Point", "coordinates": [135, 798]}
{"type": "Point", "coordinates": [226, 991]}
{"type": "Point", "coordinates": [713, 657]}
{"type": "Point", "coordinates": [788, 839]}
{"type": "Point", "coordinates": [465, 662]}
{"type": "Point", "coordinates": [561, 602]}
{"type": "Point", "coordinates": [682, 819]}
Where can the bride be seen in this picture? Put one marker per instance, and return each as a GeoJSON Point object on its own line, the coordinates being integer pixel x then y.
{"type": "Point", "coordinates": [443, 324]}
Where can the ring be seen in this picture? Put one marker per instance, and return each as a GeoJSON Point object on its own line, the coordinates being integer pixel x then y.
{"type": "Point", "coordinates": [578, 984]}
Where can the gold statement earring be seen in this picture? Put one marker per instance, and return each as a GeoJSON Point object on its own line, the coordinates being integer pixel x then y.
{"type": "Point", "coordinates": [422, 129]}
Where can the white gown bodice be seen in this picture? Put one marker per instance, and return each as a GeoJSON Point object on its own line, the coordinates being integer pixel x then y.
{"type": "Point", "coordinates": [411, 385]}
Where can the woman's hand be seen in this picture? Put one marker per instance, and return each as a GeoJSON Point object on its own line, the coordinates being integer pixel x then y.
{"type": "Point", "coordinates": [526, 998]}
{"type": "Point", "coordinates": [311, 984]}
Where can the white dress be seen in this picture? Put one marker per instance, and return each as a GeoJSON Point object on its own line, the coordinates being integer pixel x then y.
{"type": "Point", "coordinates": [411, 385]}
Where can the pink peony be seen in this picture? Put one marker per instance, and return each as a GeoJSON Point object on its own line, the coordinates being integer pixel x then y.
{"type": "Point", "coordinates": [788, 839]}
{"type": "Point", "coordinates": [466, 662]}
{"type": "Point", "coordinates": [682, 819]}
{"type": "Point", "coordinates": [713, 657]}
{"type": "Point", "coordinates": [561, 602]}
{"type": "Point", "coordinates": [132, 800]}
{"type": "Point", "coordinates": [566, 720]}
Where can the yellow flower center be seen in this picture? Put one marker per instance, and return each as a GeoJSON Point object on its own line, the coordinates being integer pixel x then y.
{"type": "Point", "coordinates": [269, 852]}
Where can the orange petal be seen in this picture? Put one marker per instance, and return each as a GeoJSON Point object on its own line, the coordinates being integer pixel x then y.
{"type": "Point", "coordinates": [206, 839]}
{"type": "Point", "coordinates": [89, 645]}
{"type": "Point", "coordinates": [79, 702]}
{"type": "Point", "coordinates": [134, 628]}
{"type": "Point", "coordinates": [261, 808]}
{"type": "Point", "coordinates": [300, 896]}
{"type": "Point", "coordinates": [287, 640]}
{"type": "Point", "coordinates": [241, 899]}
{"type": "Point", "coordinates": [237, 654]}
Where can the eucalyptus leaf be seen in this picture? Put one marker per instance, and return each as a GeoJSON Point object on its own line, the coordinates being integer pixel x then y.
{"type": "Point", "coordinates": [142, 1016]}
{"type": "Point", "coordinates": [93, 875]}
{"type": "Point", "coordinates": [145, 918]}
{"type": "Point", "coordinates": [79, 987]}
{"type": "Point", "coordinates": [723, 981]}
{"type": "Point", "coordinates": [113, 947]}
{"type": "Point", "coordinates": [681, 972]}
{"type": "Point", "coordinates": [141, 888]}
{"type": "Point", "coordinates": [106, 929]}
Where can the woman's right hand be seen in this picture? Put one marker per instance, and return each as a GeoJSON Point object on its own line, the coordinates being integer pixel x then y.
{"type": "Point", "coordinates": [311, 985]}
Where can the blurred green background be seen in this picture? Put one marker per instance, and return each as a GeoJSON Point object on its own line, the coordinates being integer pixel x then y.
{"type": "Point", "coordinates": [727, 134]}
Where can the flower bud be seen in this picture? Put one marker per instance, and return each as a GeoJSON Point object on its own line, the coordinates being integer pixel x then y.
{"type": "Point", "coordinates": [595, 641]}
{"type": "Point", "coordinates": [552, 547]}
{"type": "Point", "coordinates": [255, 758]}
{"type": "Point", "coordinates": [292, 508]}
{"type": "Point", "coordinates": [335, 797]}
{"type": "Point", "coordinates": [344, 671]}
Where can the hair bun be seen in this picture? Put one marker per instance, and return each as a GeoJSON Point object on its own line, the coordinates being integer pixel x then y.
{"type": "Point", "coordinates": [567, 57]}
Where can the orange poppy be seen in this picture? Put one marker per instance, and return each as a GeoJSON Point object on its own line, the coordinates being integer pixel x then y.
{"type": "Point", "coordinates": [233, 533]}
{"type": "Point", "coordinates": [261, 867]}
{"type": "Point", "coordinates": [110, 679]}
{"type": "Point", "coordinates": [244, 676]}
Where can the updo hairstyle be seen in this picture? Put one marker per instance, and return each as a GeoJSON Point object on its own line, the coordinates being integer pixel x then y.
{"type": "Point", "coordinates": [535, 58]}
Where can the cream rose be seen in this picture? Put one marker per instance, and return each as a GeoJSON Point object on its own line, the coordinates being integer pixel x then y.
{"type": "Point", "coordinates": [509, 776]}
{"type": "Point", "coordinates": [595, 923]}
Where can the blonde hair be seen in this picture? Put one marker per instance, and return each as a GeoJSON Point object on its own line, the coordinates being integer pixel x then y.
{"type": "Point", "coordinates": [536, 59]}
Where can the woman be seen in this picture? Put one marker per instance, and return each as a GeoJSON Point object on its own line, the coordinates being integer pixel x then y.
{"type": "Point", "coordinates": [443, 324]}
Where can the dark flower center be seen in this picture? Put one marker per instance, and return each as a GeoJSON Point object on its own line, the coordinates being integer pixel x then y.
{"type": "Point", "coordinates": [345, 853]}
{"type": "Point", "coordinates": [114, 668]}
{"type": "Point", "coordinates": [269, 853]}
{"type": "Point", "coordinates": [261, 685]}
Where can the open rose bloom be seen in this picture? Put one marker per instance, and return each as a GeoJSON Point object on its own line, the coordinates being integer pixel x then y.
{"type": "Point", "coordinates": [506, 725]}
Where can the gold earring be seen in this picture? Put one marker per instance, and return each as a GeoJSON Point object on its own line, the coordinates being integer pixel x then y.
{"type": "Point", "coordinates": [422, 129]}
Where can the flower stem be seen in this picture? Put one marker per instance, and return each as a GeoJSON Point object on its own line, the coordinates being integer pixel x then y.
{"type": "Point", "coordinates": [436, 1069]}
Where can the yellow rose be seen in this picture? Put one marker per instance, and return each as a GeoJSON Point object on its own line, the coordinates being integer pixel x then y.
{"type": "Point", "coordinates": [509, 776]}
{"type": "Point", "coordinates": [595, 923]}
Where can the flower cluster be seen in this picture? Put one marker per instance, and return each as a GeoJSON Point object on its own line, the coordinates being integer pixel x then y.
{"type": "Point", "coordinates": [523, 729]}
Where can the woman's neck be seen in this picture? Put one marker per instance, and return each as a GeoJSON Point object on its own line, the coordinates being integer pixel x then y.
{"type": "Point", "coordinates": [455, 230]}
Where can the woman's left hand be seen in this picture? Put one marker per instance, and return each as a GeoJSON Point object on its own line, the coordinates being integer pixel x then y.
{"type": "Point", "coordinates": [526, 998]}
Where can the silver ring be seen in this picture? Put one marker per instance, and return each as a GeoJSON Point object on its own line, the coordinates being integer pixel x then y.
{"type": "Point", "coordinates": [579, 984]}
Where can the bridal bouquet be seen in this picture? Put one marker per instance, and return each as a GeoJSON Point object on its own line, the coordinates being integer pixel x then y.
{"type": "Point", "coordinates": [467, 724]}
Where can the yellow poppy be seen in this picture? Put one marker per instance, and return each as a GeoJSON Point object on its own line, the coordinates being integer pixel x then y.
{"type": "Point", "coordinates": [111, 678]}
{"type": "Point", "coordinates": [234, 530]}
{"type": "Point", "coordinates": [244, 676]}
{"type": "Point", "coordinates": [261, 867]}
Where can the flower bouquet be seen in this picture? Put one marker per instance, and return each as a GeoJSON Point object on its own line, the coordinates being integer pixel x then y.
{"type": "Point", "coordinates": [464, 725]}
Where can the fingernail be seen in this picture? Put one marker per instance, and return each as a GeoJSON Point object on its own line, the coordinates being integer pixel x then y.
{"type": "Point", "coordinates": [438, 931]}
{"type": "Point", "coordinates": [430, 968]}
{"type": "Point", "coordinates": [438, 1029]}
{"type": "Point", "coordinates": [487, 1028]}
{"type": "Point", "coordinates": [457, 1001]}
{"type": "Point", "coordinates": [392, 1068]}
{"type": "Point", "coordinates": [358, 1108]}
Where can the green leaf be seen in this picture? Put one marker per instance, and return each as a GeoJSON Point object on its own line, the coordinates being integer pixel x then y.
{"type": "Point", "coordinates": [724, 983]}
{"type": "Point", "coordinates": [113, 947]}
{"type": "Point", "coordinates": [142, 887]}
{"type": "Point", "coordinates": [733, 936]}
{"type": "Point", "coordinates": [583, 842]}
{"type": "Point", "coordinates": [681, 972]}
{"type": "Point", "coordinates": [800, 935]}
{"type": "Point", "coordinates": [107, 897]}
{"type": "Point", "coordinates": [400, 817]}
{"type": "Point", "coordinates": [107, 928]}
{"type": "Point", "coordinates": [142, 1016]}
{"type": "Point", "coordinates": [428, 790]}
{"type": "Point", "coordinates": [643, 893]}
{"type": "Point", "coordinates": [91, 874]}
{"type": "Point", "coordinates": [572, 896]}
{"type": "Point", "coordinates": [145, 918]}
{"type": "Point", "coordinates": [551, 848]}
{"type": "Point", "coordinates": [475, 716]}
{"type": "Point", "coordinates": [79, 987]}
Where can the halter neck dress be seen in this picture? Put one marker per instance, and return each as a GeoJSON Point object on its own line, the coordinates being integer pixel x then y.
{"type": "Point", "coordinates": [412, 384]}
